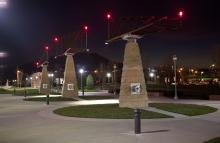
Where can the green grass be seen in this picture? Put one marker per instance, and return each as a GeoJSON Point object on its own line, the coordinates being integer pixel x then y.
{"type": "Point", "coordinates": [20, 91]}
{"type": "Point", "coordinates": [53, 99]}
{"type": "Point", "coordinates": [97, 97]}
{"type": "Point", "coordinates": [185, 109]}
{"type": "Point", "coordinates": [111, 111]}
{"type": "Point", "coordinates": [215, 140]}
{"type": "Point", "coordinates": [5, 91]}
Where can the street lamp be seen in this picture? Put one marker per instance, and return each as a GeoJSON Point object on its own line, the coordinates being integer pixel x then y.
{"type": "Point", "coordinates": [174, 62]}
{"type": "Point", "coordinates": [51, 75]}
{"type": "Point", "coordinates": [201, 75]}
{"type": "Point", "coordinates": [31, 81]}
{"type": "Point", "coordinates": [108, 76]}
{"type": "Point", "coordinates": [152, 75]}
{"type": "Point", "coordinates": [3, 3]}
{"type": "Point", "coordinates": [81, 71]}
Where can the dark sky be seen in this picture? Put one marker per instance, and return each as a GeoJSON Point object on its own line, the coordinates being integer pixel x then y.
{"type": "Point", "coordinates": [27, 25]}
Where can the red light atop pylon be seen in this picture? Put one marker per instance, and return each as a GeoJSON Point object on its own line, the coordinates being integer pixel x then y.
{"type": "Point", "coordinates": [85, 28]}
{"type": "Point", "coordinates": [180, 14]}
{"type": "Point", "coordinates": [108, 16]}
{"type": "Point", "coordinates": [46, 48]}
{"type": "Point", "coordinates": [56, 39]}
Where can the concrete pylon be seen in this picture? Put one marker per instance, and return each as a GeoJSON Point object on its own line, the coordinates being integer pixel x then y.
{"type": "Point", "coordinates": [19, 78]}
{"type": "Point", "coordinates": [133, 92]}
{"type": "Point", "coordinates": [70, 88]}
{"type": "Point", "coordinates": [45, 84]}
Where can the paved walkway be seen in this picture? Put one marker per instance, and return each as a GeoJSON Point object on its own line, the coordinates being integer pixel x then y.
{"type": "Point", "coordinates": [34, 122]}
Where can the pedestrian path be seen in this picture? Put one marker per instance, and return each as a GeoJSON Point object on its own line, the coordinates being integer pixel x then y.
{"type": "Point", "coordinates": [175, 115]}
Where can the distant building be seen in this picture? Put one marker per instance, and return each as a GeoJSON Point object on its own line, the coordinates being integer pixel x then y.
{"type": "Point", "coordinates": [35, 80]}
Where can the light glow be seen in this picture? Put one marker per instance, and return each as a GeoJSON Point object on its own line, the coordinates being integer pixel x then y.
{"type": "Point", "coordinates": [180, 14]}
{"type": "Point", "coordinates": [3, 3]}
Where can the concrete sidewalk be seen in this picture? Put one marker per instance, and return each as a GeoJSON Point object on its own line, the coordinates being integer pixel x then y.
{"type": "Point", "coordinates": [25, 122]}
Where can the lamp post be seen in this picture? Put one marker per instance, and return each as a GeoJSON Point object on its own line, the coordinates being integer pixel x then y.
{"type": "Point", "coordinates": [108, 76]}
{"type": "Point", "coordinates": [201, 75]}
{"type": "Point", "coordinates": [114, 78]}
{"type": "Point", "coordinates": [174, 67]}
{"type": "Point", "coordinates": [81, 71]}
{"type": "Point", "coordinates": [31, 81]}
{"type": "Point", "coordinates": [51, 75]}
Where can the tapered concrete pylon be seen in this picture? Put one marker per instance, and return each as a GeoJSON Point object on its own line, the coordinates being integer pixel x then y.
{"type": "Point", "coordinates": [133, 92]}
{"type": "Point", "coordinates": [70, 88]}
{"type": "Point", "coordinates": [45, 84]}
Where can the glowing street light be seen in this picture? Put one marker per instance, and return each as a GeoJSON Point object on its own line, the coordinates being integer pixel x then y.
{"type": "Point", "coordinates": [201, 73]}
{"type": "Point", "coordinates": [108, 76]}
{"type": "Point", "coordinates": [3, 3]}
{"type": "Point", "coordinates": [151, 74]}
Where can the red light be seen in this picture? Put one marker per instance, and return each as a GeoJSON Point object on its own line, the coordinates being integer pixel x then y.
{"type": "Point", "coordinates": [37, 63]}
{"type": "Point", "coordinates": [46, 48]}
{"type": "Point", "coordinates": [85, 28]}
{"type": "Point", "coordinates": [108, 16]}
{"type": "Point", "coordinates": [180, 13]}
{"type": "Point", "coordinates": [56, 39]}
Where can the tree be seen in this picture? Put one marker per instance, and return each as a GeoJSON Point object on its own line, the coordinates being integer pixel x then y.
{"type": "Point", "coordinates": [89, 82]}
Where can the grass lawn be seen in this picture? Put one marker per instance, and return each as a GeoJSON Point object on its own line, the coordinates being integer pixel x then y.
{"type": "Point", "coordinates": [97, 97]}
{"type": "Point", "coordinates": [111, 111]}
{"type": "Point", "coordinates": [5, 91]}
{"type": "Point", "coordinates": [51, 99]}
{"type": "Point", "coordinates": [215, 140]}
{"type": "Point", "coordinates": [185, 109]}
{"type": "Point", "coordinates": [20, 91]}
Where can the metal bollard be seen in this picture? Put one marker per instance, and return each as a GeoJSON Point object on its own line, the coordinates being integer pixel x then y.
{"type": "Point", "coordinates": [137, 121]}
{"type": "Point", "coordinates": [48, 99]}
{"type": "Point", "coordinates": [14, 91]}
{"type": "Point", "coordinates": [25, 93]}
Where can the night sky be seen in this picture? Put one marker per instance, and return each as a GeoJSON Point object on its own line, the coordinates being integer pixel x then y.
{"type": "Point", "coordinates": [27, 25]}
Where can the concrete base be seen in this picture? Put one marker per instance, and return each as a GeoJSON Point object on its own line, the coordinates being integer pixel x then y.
{"type": "Point", "coordinates": [45, 84]}
{"type": "Point", "coordinates": [132, 73]}
{"type": "Point", "coordinates": [70, 88]}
